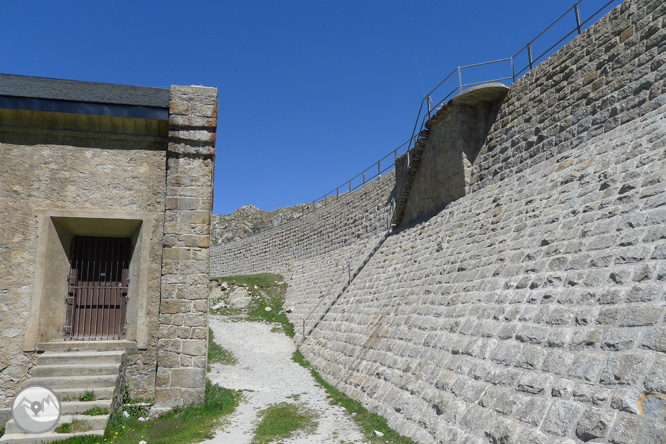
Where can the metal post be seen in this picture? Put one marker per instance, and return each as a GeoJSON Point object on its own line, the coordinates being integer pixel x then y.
{"type": "Point", "coordinates": [578, 23]}
{"type": "Point", "coordinates": [407, 159]}
{"type": "Point", "coordinates": [363, 177]}
{"type": "Point", "coordinates": [337, 193]}
{"type": "Point", "coordinates": [529, 54]}
{"type": "Point", "coordinates": [326, 200]}
{"type": "Point", "coordinates": [303, 211]}
{"type": "Point", "coordinates": [513, 70]}
{"type": "Point", "coordinates": [429, 108]}
{"type": "Point", "coordinates": [459, 79]}
{"type": "Point", "coordinates": [379, 169]}
{"type": "Point", "coordinates": [303, 330]}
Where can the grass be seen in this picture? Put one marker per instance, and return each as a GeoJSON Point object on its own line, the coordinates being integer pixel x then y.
{"type": "Point", "coordinates": [280, 421]}
{"type": "Point", "coordinates": [270, 293]}
{"type": "Point", "coordinates": [366, 421]}
{"type": "Point", "coordinates": [75, 426]}
{"type": "Point", "coordinates": [260, 280]}
{"type": "Point", "coordinates": [2, 431]}
{"type": "Point", "coordinates": [218, 354]}
{"type": "Point", "coordinates": [96, 411]}
{"type": "Point", "coordinates": [88, 396]}
{"type": "Point", "coordinates": [181, 425]}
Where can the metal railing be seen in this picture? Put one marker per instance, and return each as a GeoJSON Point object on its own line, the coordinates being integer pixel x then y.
{"type": "Point", "coordinates": [428, 105]}
{"type": "Point", "coordinates": [451, 84]}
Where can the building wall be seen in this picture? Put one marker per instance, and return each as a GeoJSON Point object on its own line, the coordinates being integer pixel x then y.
{"type": "Point", "coordinates": [48, 173]}
{"type": "Point", "coordinates": [66, 175]}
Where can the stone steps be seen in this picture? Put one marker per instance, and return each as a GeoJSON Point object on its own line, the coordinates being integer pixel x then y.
{"type": "Point", "coordinates": [71, 374]}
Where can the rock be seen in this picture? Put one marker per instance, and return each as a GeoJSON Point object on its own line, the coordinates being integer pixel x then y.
{"type": "Point", "coordinates": [377, 433]}
{"type": "Point", "coordinates": [289, 310]}
{"type": "Point", "coordinates": [268, 309]}
{"type": "Point", "coordinates": [239, 298]}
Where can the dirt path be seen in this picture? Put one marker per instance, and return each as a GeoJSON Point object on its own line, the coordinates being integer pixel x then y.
{"type": "Point", "coordinates": [267, 375]}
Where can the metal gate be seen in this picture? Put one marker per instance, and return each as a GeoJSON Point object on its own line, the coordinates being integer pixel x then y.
{"type": "Point", "coordinates": [97, 293]}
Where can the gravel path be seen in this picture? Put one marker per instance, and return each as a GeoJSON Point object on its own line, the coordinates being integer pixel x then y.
{"type": "Point", "coordinates": [267, 375]}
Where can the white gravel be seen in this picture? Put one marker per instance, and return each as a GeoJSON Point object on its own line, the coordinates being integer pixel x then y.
{"type": "Point", "coordinates": [267, 376]}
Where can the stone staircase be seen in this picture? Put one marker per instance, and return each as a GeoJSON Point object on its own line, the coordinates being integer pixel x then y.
{"type": "Point", "coordinates": [413, 161]}
{"type": "Point", "coordinates": [74, 375]}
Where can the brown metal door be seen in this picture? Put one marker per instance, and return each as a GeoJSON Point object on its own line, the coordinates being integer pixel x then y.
{"type": "Point", "coordinates": [98, 282]}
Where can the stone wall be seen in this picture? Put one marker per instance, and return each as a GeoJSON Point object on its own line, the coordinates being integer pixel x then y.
{"type": "Point", "coordinates": [341, 224]}
{"type": "Point", "coordinates": [46, 172]}
{"type": "Point", "coordinates": [183, 333]}
{"type": "Point", "coordinates": [531, 309]}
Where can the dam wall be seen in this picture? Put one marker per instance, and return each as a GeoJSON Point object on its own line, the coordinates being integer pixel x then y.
{"type": "Point", "coordinates": [529, 309]}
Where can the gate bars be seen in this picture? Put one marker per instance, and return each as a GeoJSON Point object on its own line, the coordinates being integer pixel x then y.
{"type": "Point", "coordinates": [97, 288]}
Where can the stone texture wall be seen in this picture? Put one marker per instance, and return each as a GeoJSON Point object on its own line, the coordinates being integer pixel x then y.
{"type": "Point", "coordinates": [341, 224]}
{"type": "Point", "coordinates": [605, 78]}
{"type": "Point", "coordinates": [183, 318]}
{"type": "Point", "coordinates": [531, 309]}
{"type": "Point", "coordinates": [48, 170]}
{"type": "Point", "coordinates": [455, 135]}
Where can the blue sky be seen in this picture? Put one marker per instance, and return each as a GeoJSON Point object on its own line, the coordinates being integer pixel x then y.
{"type": "Point", "coordinates": [310, 92]}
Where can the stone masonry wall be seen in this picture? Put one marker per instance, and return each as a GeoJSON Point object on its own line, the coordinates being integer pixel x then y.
{"type": "Point", "coordinates": [531, 310]}
{"type": "Point", "coordinates": [183, 332]}
{"type": "Point", "coordinates": [610, 75]}
{"type": "Point", "coordinates": [47, 171]}
{"type": "Point", "coordinates": [341, 224]}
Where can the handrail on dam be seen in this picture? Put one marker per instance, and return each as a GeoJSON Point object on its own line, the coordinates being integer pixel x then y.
{"type": "Point", "coordinates": [530, 62]}
{"type": "Point", "coordinates": [428, 106]}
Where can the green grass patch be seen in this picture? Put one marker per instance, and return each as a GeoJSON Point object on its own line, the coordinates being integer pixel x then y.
{"type": "Point", "coordinates": [181, 425]}
{"type": "Point", "coordinates": [269, 294]}
{"type": "Point", "coordinates": [280, 421]}
{"type": "Point", "coordinates": [367, 421]}
{"type": "Point", "coordinates": [2, 431]}
{"type": "Point", "coordinates": [260, 280]}
{"type": "Point", "coordinates": [96, 411]}
{"type": "Point", "coordinates": [88, 396]}
{"type": "Point", "coordinates": [75, 426]}
{"type": "Point", "coordinates": [219, 354]}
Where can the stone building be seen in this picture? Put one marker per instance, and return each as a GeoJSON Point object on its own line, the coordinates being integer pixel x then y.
{"type": "Point", "coordinates": [106, 193]}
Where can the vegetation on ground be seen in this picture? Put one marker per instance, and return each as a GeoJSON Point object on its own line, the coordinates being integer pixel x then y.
{"type": "Point", "coordinates": [219, 354]}
{"type": "Point", "coordinates": [2, 431]}
{"type": "Point", "coordinates": [181, 425]}
{"type": "Point", "coordinates": [281, 421]}
{"type": "Point", "coordinates": [75, 426]}
{"type": "Point", "coordinates": [88, 396]}
{"type": "Point", "coordinates": [268, 291]}
{"type": "Point", "coordinates": [368, 422]}
{"type": "Point", "coordinates": [96, 411]}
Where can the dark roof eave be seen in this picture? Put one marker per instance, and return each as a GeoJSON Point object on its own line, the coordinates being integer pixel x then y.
{"type": "Point", "coordinates": [78, 91]}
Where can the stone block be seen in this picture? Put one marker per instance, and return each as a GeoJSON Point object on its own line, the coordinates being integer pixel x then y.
{"type": "Point", "coordinates": [561, 417]}
{"type": "Point", "coordinates": [594, 424]}
{"type": "Point", "coordinates": [188, 378]}
{"type": "Point", "coordinates": [170, 306]}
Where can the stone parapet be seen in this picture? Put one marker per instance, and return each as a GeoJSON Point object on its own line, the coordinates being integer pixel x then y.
{"type": "Point", "coordinates": [183, 331]}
